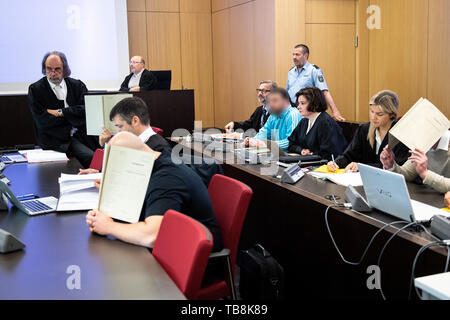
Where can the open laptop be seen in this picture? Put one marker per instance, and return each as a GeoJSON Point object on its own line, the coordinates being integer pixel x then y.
{"type": "Point", "coordinates": [387, 191]}
{"type": "Point", "coordinates": [31, 207]}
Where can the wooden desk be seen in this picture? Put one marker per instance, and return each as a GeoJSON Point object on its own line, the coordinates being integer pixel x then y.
{"type": "Point", "coordinates": [288, 220]}
{"type": "Point", "coordinates": [110, 269]}
{"type": "Point", "coordinates": [169, 110]}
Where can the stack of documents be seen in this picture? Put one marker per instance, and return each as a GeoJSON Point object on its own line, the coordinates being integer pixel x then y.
{"type": "Point", "coordinates": [339, 177]}
{"type": "Point", "coordinates": [39, 156]}
{"type": "Point", "coordinates": [78, 192]}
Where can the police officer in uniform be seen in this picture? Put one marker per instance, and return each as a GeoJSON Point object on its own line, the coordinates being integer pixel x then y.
{"type": "Point", "coordinates": [304, 75]}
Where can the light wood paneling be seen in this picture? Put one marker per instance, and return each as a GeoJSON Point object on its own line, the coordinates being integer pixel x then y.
{"type": "Point", "coordinates": [233, 3]}
{"type": "Point", "coordinates": [398, 57]}
{"type": "Point", "coordinates": [163, 37]}
{"type": "Point", "coordinates": [219, 5]}
{"type": "Point", "coordinates": [362, 62]}
{"type": "Point", "coordinates": [244, 55]}
{"type": "Point", "coordinates": [222, 67]}
{"type": "Point", "coordinates": [163, 5]}
{"type": "Point", "coordinates": [196, 6]}
{"type": "Point", "coordinates": [289, 31]}
{"type": "Point", "coordinates": [135, 5]}
{"type": "Point", "coordinates": [332, 49]}
{"type": "Point", "coordinates": [137, 34]}
{"type": "Point", "coordinates": [196, 61]}
{"type": "Point", "coordinates": [439, 54]}
{"type": "Point", "coordinates": [330, 11]}
{"type": "Point", "coordinates": [253, 40]}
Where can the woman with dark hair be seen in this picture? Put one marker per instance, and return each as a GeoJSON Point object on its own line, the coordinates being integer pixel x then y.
{"type": "Point", "coordinates": [317, 133]}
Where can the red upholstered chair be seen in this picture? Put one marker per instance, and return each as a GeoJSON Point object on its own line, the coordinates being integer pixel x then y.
{"type": "Point", "coordinates": [158, 131]}
{"type": "Point", "coordinates": [97, 160]}
{"type": "Point", "coordinates": [230, 199]}
{"type": "Point", "coordinates": [182, 248]}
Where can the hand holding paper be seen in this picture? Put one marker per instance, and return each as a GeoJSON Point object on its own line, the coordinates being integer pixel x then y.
{"type": "Point", "coordinates": [420, 128]}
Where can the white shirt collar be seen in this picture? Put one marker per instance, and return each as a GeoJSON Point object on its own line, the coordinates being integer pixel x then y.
{"type": "Point", "coordinates": [138, 74]}
{"type": "Point", "coordinates": [63, 89]}
{"type": "Point", "coordinates": [378, 140]}
{"type": "Point", "coordinates": [52, 85]}
{"type": "Point", "coordinates": [312, 121]}
{"type": "Point", "coordinates": [144, 136]}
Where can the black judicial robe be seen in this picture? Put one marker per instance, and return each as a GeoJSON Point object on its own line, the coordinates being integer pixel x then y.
{"type": "Point", "coordinates": [147, 82]}
{"type": "Point", "coordinates": [254, 122]}
{"type": "Point", "coordinates": [324, 139]}
{"type": "Point", "coordinates": [54, 132]}
{"type": "Point", "coordinates": [361, 151]}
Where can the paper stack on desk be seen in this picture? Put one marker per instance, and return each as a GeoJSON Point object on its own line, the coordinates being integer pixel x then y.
{"type": "Point", "coordinates": [40, 156]}
{"type": "Point", "coordinates": [78, 192]}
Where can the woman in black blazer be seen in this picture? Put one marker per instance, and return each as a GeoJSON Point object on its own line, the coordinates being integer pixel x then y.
{"type": "Point", "coordinates": [317, 133]}
{"type": "Point", "coordinates": [371, 138]}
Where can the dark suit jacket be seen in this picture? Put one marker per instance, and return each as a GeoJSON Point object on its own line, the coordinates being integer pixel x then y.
{"type": "Point", "coordinates": [324, 139]}
{"type": "Point", "coordinates": [360, 150]}
{"type": "Point", "coordinates": [254, 122]}
{"type": "Point", "coordinates": [148, 81]}
{"type": "Point", "coordinates": [54, 132]}
{"type": "Point", "coordinates": [158, 143]}
{"type": "Point", "coordinates": [206, 170]}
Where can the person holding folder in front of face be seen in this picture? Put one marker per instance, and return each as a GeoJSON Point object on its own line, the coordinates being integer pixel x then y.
{"type": "Point", "coordinates": [317, 133]}
{"type": "Point", "coordinates": [172, 186]}
{"type": "Point", "coordinates": [432, 167]}
{"type": "Point", "coordinates": [371, 138]}
{"type": "Point", "coordinates": [131, 114]}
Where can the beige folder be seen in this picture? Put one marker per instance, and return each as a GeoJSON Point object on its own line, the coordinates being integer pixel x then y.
{"type": "Point", "coordinates": [125, 178]}
{"type": "Point", "coordinates": [98, 108]}
{"type": "Point", "coordinates": [420, 128]}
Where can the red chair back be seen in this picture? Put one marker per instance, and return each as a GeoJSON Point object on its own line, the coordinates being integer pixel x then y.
{"type": "Point", "coordinates": [182, 247]}
{"type": "Point", "coordinates": [230, 199]}
{"type": "Point", "coordinates": [97, 160]}
{"type": "Point", "coordinates": [158, 131]}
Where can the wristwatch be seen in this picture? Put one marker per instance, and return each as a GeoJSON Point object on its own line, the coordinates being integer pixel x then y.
{"type": "Point", "coordinates": [60, 113]}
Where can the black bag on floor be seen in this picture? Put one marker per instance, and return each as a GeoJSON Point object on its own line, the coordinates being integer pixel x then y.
{"type": "Point", "coordinates": [261, 276]}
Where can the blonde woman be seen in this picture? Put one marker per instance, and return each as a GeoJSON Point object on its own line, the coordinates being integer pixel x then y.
{"type": "Point", "coordinates": [371, 138]}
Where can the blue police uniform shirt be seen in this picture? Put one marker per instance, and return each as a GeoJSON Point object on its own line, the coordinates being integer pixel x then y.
{"type": "Point", "coordinates": [308, 76]}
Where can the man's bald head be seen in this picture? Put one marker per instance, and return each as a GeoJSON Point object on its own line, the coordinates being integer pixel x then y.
{"type": "Point", "coordinates": [128, 140]}
{"type": "Point", "coordinates": [137, 64]}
